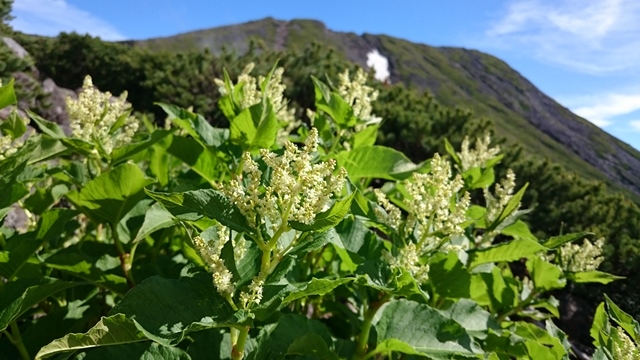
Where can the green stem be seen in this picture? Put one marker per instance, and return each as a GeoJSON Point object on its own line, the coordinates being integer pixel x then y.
{"type": "Point", "coordinates": [266, 262]}
{"type": "Point", "coordinates": [363, 340]}
{"type": "Point", "coordinates": [237, 353]}
{"type": "Point", "coordinates": [16, 340]}
{"type": "Point", "coordinates": [125, 259]}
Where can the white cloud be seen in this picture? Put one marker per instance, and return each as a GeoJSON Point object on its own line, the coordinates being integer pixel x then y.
{"type": "Point", "coordinates": [50, 17]}
{"type": "Point", "coordinates": [635, 125]}
{"type": "Point", "coordinates": [602, 109]}
{"type": "Point", "coordinates": [594, 36]}
{"type": "Point", "coordinates": [379, 63]}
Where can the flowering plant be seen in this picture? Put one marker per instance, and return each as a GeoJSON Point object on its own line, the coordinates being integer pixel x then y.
{"type": "Point", "coordinates": [192, 241]}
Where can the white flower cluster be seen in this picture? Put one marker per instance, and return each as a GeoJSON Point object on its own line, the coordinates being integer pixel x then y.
{"type": "Point", "coordinates": [254, 296]}
{"type": "Point", "coordinates": [433, 206]}
{"type": "Point", "coordinates": [628, 350]}
{"type": "Point", "coordinates": [94, 114]}
{"type": "Point", "coordinates": [576, 258]}
{"type": "Point", "coordinates": [409, 259]}
{"type": "Point", "coordinates": [9, 145]}
{"type": "Point", "coordinates": [429, 205]}
{"type": "Point", "coordinates": [252, 94]}
{"type": "Point", "coordinates": [358, 95]}
{"type": "Point", "coordinates": [210, 253]}
{"type": "Point", "coordinates": [478, 156]}
{"type": "Point", "coordinates": [503, 193]}
{"type": "Point", "coordinates": [297, 189]}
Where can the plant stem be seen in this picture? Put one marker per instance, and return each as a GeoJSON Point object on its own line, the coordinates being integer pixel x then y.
{"type": "Point", "coordinates": [125, 259]}
{"type": "Point", "coordinates": [237, 352]}
{"type": "Point", "coordinates": [16, 340]}
{"type": "Point", "coordinates": [363, 340]}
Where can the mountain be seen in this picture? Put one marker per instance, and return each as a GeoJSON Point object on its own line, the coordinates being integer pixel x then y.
{"type": "Point", "coordinates": [459, 77]}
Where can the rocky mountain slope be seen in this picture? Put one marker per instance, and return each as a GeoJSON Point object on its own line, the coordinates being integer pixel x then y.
{"type": "Point", "coordinates": [459, 77]}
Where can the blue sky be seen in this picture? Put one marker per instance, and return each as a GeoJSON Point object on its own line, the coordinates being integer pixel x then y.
{"type": "Point", "coordinates": [583, 53]}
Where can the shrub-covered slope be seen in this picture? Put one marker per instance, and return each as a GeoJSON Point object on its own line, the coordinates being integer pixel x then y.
{"type": "Point", "coordinates": [483, 83]}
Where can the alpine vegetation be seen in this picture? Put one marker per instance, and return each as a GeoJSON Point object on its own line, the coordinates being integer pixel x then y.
{"type": "Point", "coordinates": [275, 238]}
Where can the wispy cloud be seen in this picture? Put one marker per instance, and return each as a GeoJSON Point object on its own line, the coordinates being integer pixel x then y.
{"type": "Point", "coordinates": [594, 36]}
{"type": "Point", "coordinates": [603, 109]}
{"type": "Point", "coordinates": [635, 125]}
{"type": "Point", "coordinates": [50, 17]}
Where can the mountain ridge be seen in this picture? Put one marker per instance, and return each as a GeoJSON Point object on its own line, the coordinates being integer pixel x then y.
{"type": "Point", "coordinates": [459, 77]}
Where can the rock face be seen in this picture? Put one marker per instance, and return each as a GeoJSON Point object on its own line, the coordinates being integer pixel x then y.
{"type": "Point", "coordinates": [49, 100]}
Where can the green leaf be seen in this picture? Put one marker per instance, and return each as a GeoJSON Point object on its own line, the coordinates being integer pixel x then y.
{"type": "Point", "coordinates": [73, 261]}
{"type": "Point", "coordinates": [207, 202]}
{"type": "Point", "coordinates": [328, 219]}
{"type": "Point", "coordinates": [197, 157]}
{"type": "Point", "coordinates": [137, 350]}
{"type": "Point", "coordinates": [365, 137]}
{"type": "Point", "coordinates": [7, 95]}
{"type": "Point", "coordinates": [511, 251]}
{"type": "Point", "coordinates": [47, 127]}
{"type": "Point", "coordinates": [451, 151]}
{"type": "Point", "coordinates": [312, 345]}
{"type": "Point", "coordinates": [79, 146]}
{"type": "Point", "coordinates": [128, 151]}
{"type": "Point", "coordinates": [626, 321]}
{"type": "Point", "coordinates": [593, 277]}
{"type": "Point", "coordinates": [426, 330]}
{"type": "Point", "coordinates": [472, 317]}
{"type": "Point", "coordinates": [449, 277]}
{"type": "Point", "coordinates": [186, 304]}
{"type": "Point", "coordinates": [196, 126]}
{"type": "Point", "coordinates": [111, 195]}
{"type": "Point", "coordinates": [519, 230]}
{"type": "Point", "coordinates": [315, 287]}
{"type": "Point", "coordinates": [378, 162]}
{"type": "Point", "coordinates": [44, 198]}
{"type": "Point", "coordinates": [555, 241]}
{"type": "Point", "coordinates": [545, 276]}
{"type": "Point", "coordinates": [111, 330]}
{"type": "Point", "coordinates": [155, 219]}
{"type": "Point", "coordinates": [254, 127]}
{"type": "Point", "coordinates": [275, 340]}
{"type": "Point", "coordinates": [19, 296]}
{"type": "Point", "coordinates": [486, 178]}
{"type": "Point", "coordinates": [13, 126]}
{"type": "Point", "coordinates": [21, 248]}
{"type": "Point", "coordinates": [601, 329]}
{"type": "Point", "coordinates": [511, 206]}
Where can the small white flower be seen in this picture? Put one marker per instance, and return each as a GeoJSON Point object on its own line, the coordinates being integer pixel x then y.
{"type": "Point", "coordinates": [576, 258]}
{"type": "Point", "coordinates": [93, 115]}
{"type": "Point", "coordinates": [298, 190]}
{"type": "Point", "coordinates": [628, 350]}
{"type": "Point", "coordinates": [479, 156]}
{"type": "Point", "coordinates": [210, 253]}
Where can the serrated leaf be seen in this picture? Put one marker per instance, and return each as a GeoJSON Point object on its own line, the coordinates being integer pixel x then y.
{"type": "Point", "coordinates": [113, 194]}
{"type": "Point", "coordinates": [208, 202]}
